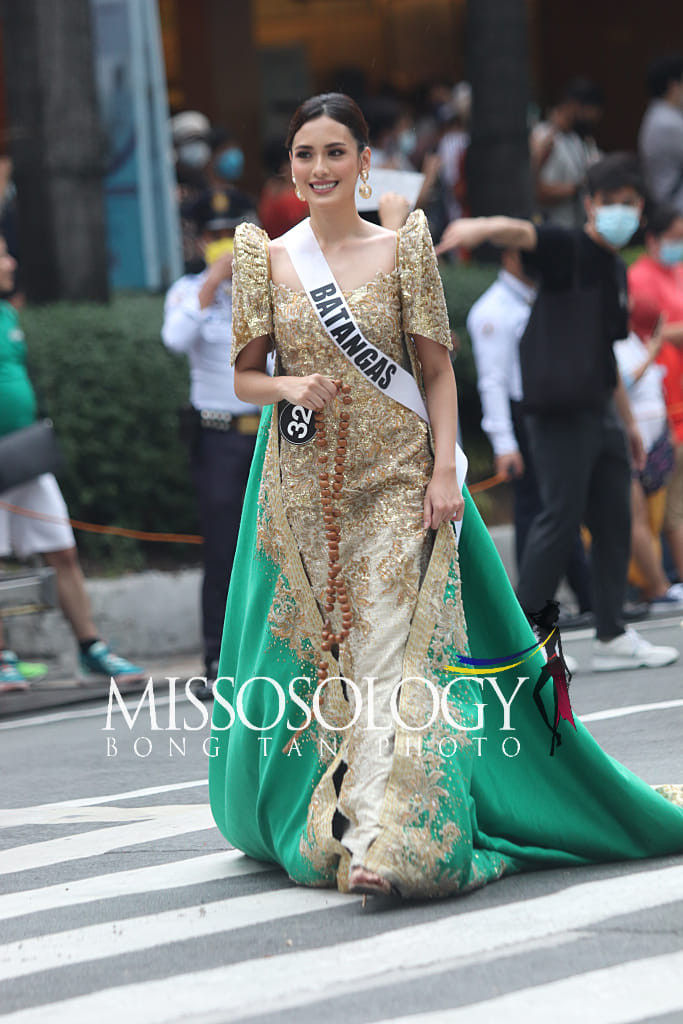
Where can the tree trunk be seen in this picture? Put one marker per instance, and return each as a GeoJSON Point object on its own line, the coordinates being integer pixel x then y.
{"type": "Point", "coordinates": [498, 172]}
{"type": "Point", "coordinates": [57, 148]}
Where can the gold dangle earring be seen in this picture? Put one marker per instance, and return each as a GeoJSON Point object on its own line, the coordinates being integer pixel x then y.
{"type": "Point", "coordinates": [297, 193]}
{"type": "Point", "coordinates": [364, 190]}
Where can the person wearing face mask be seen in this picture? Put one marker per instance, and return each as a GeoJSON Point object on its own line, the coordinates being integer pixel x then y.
{"type": "Point", "coordinates": [225, 169]}
{"type": "Point", "coordinates": [190, 133]}
{"type": "Point", "coordinates": [660, 140]}
{"type": "Point", "coordinates": [578, 435]}
{"type": "Point", "coordinates": [656, 279]}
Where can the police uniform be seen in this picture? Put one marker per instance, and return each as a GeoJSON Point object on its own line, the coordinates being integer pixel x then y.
{"type": "Point", "coordinates": [223, 437]}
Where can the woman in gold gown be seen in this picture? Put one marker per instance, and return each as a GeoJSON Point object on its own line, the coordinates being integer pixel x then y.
{"type": "Point", "coordinates": [348, 596]}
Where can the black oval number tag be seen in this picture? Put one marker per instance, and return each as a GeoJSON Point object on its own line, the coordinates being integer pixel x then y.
{"type": "Point", "coordinates": [297, 424]}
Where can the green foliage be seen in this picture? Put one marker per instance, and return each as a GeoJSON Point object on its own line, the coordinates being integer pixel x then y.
{"type": "Point", "coordinates": [463, 284]}
{"type": "Point", "coordinates": [113, 391]}
{"type": "Point", "coordinates": [631, 254]}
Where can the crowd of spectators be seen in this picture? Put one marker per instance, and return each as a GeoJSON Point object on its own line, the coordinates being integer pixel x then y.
{"type": "Point", "coordinates": [648, 351]}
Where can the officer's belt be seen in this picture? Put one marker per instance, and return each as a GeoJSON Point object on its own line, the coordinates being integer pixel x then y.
{"type": "Point", "coordinates": [212, 419]}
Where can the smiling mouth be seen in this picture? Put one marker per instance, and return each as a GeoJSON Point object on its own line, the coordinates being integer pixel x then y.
{"type": "Point", "coordinates": [323, 186]}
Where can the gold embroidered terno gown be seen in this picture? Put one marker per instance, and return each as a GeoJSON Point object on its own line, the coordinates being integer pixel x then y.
{"type": "Point", "coordinates": [450, 789]}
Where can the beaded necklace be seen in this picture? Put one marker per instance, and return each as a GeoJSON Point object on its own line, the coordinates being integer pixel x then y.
{"type": "Point", "coordinates": [336, 588]}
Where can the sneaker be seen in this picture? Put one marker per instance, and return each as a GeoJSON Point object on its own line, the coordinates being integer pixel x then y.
{"type": "Point", "coordinates": [101, 664]}
{"type": "Point", "coordinates": [32, 670]}
{"type": "Point", "coordinates": [630, 650]}
{"type": "Point", "coordinates": [11, 677]}
{"type": "Point", "coordinates": [673, 598]}
{"type": "Point", "coordinates": [635, 611]}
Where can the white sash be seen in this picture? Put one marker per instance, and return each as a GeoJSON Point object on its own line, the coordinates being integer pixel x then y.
{"type": "Point", "coordinates": [339, 323]}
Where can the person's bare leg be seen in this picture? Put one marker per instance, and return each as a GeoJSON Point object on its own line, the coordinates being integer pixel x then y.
{"type": "Point", "coordinates": [674, 536]}
{"type": "Point", "coordinates": [73, 597]}
{"type": "Point", "coordinates": [642, 547]}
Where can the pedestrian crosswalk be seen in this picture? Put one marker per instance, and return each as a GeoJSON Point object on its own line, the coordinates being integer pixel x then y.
{"type": "Point", "coordinates": [186, 934]}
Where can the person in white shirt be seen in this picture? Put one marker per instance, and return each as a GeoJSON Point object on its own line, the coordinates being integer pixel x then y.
{"type": "Point", "coordinates": [220, 428]}
{"type": "Point", "coordinates": [496, 323]}
{"type": "Point", "coordinates": [642, 377]}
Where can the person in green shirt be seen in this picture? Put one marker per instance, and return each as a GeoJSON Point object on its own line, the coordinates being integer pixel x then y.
{"type": "Point", "coordinates": [24, 536]}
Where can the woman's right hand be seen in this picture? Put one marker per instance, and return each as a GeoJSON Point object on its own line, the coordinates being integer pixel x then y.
{"type": "Point", "coordinates": [313, 392]}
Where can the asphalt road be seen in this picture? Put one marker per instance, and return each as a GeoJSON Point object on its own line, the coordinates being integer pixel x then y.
{"type": "Point", "coordinates": [120, 902]}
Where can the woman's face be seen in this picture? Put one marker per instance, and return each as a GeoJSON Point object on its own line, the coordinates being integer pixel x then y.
{"type": "Point", "coordinates": [326, 162]}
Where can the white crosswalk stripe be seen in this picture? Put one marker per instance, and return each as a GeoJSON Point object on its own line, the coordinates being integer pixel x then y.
{"type": "Point", "coordinates": [618, 995]}
{"type": "Point", "coordinates": [194, 871]}
{"type": "Point", "coordinates": [160, 824]}
{"type": "Point", "coordinates": [125, 945]}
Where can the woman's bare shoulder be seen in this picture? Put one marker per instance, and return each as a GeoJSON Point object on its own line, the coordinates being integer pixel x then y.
{"type": "Point", "coordinates": [378, 233]}
{"type": "Point", "coordinates": [281, 268]}
{"type": "Point", "coordinates": [275, 246]}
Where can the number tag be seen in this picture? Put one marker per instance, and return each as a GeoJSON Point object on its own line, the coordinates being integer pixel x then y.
{"type": "Point", "coordinates": [297, 424]}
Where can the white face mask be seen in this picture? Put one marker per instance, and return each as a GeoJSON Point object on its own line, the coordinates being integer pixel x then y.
{"type": "Point", "coordinates": [194, 154]}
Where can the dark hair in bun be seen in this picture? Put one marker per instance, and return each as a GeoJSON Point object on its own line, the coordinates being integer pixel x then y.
{"type": "Point", "coordinates": [336, 105]}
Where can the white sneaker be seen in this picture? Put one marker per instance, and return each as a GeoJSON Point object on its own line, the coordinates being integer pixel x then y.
{"type": "Point", "coordinates": [672, 600]}
{"type": "Point", "coordinates": [630, 650]}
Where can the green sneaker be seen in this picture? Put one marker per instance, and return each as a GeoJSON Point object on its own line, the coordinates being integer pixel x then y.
{"type": "Point", "coordinates": [100, 665]}
{"type": "Point", "coordinates": [11, 677]}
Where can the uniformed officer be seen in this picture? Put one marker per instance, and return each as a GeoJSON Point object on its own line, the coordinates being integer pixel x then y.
{"type": "Point", "coordinates": [220, 428]}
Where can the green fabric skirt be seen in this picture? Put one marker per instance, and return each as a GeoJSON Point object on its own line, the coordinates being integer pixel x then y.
{"type": "Point", "coordinates": [485, 802]}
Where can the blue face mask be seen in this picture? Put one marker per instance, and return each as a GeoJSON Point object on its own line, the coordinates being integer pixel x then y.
{"type": "Point", "coordinates": [670, 253]}
{"type": "Point", "coordinates": [617, 223]}
{"type": "Point", "coordinates": [230, 164]}
{"type": "Point", "coordinates": [407, 141]}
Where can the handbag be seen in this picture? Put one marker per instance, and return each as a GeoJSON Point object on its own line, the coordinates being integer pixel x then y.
{"type": "Point", "coordinates": [562, 351]}
{"type": "Point", "coordinates": [660, 463]}
{"type": "Point", "coordinates": [28, 453]}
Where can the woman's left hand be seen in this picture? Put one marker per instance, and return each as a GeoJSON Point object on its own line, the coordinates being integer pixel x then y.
{"type": "Point", "coordinates": [443, 499]}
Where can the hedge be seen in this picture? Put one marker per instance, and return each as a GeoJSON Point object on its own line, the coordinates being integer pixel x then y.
{"type": "Point", "coordinates": [113, 390]}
